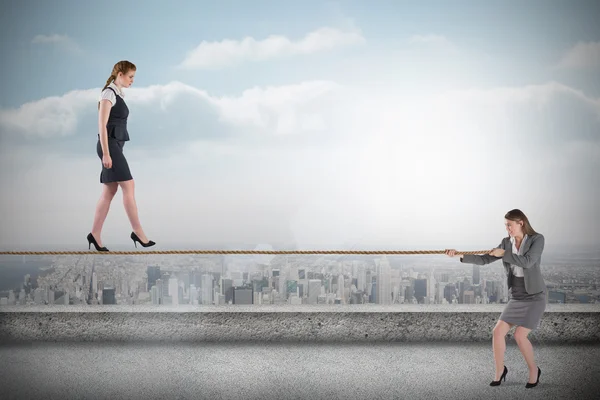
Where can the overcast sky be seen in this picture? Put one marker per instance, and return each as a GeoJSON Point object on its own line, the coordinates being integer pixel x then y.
{"type": "Point", "coordinates": [314, 123]}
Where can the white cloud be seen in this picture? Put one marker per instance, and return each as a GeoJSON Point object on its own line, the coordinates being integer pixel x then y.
{"type": "Point", "coordinates": [48, 117]}
{"type": "Point", "coordinates": [283, 109]}
{"type": "Point", "coordinates": [229, 52]}
{"type": "Point", "coordinates": [63, 41]}
{"type": "Point", "coordinates": [292, 107]}
{"type": "Point", "coordinates": [542, 116]}
{"type": "Point", "coordinates": [386, 170]}
{"type": "Point", "coordinates": [581, 55]}
{"type": "Point", "coordinates": [536, 94]}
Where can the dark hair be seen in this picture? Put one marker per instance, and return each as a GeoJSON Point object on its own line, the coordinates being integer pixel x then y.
{"type": "Point", "coordinates": [517, 216]}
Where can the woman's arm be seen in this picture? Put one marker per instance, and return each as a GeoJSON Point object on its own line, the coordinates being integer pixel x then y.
{"type": "Point", "coordinates": [481, 259]}
{"type": "Point", "coordinates": [103, 114]}
{"type": "Point", "coordinates": [531, 256]}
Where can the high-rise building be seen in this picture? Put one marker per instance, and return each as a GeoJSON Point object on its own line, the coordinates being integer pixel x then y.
{"type": "Point", "coordinates": [159, 291]}
{"type": "Point", "coordinates": [469, 297]}
{"type": "Point", "coordinates": [431, 287]}
{"type": "Point", "coordinates": [108, 295]}
{"type": "Point", "coordinates": [242, 296]}
{"type": "Point", "coordinates": [361, 283]}
{"type": "Point", "coordinates": [154, 295]}
{"type": "Point", "coordinates": [340, 287]}
{"type": "Point", "coordinates": [384, 282]}
{"type": "Point", "coordinates": [476, 274]}
{"type": "Point", "coordinates": [420, 290]}
{"type": "Point", "coordinates": [207, 289]}
{"type": "Point", "coordinates": [227, 289]}
{"type": "Point", "coordinates": [174, 290]}
{"type": "Point", "coordinates": [314, 290]}
{"type": "Point", "coordinates": [193, 295]}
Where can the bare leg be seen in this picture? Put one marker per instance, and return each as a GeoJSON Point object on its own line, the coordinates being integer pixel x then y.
{"type": "Point", "coordinates": [526, 348]}
{"type": "Point", "coordinates": [108, 193]}
{"type": "Point", "coordinates": [499, 346]}
{"type": "Point", "coordinates": [128, 188]}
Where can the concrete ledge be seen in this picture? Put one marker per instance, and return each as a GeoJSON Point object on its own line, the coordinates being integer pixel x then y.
{"type": "Point", "coordinates": [356, 323]}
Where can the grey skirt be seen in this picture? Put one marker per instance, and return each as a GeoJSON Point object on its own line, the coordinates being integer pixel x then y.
{"type": "Point", "coordinates": [523, 309]}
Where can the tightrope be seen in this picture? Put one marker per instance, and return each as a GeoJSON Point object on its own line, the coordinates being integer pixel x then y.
{"type": "Point", "coordinates": [272, 252]}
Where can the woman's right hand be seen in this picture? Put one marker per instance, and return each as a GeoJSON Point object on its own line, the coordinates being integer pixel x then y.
{"type": "Point", "coordinates": [450, 252]}
{"type": "Point", "coordinates": [107, 161]}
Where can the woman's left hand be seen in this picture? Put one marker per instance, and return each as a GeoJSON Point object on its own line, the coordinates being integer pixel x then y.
{"type": "Point", "coordinates": [497, 252]}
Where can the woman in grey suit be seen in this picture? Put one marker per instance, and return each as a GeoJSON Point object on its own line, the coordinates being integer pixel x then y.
{"type": "Point", "coordinates": [521, 254]}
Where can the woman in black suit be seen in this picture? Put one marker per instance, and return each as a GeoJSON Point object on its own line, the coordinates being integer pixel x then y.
{"type": "Point", "coordinates": [112, 122]}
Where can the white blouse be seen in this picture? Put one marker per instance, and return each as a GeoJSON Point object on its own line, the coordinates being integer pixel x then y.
{"type": "Point", "coordinates": [109, 95]}
{"type": "Point", "coordinates": [517, 271]}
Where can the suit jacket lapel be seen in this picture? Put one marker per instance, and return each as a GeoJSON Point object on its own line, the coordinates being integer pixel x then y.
{"type": "Point", "coordinates": [525, 246]}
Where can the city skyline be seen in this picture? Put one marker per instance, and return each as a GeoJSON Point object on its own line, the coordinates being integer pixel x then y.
{"type": "Point", "coordinates": [293, 279]}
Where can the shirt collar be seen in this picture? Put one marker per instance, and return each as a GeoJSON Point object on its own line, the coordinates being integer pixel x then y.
{"type": "Point", "coordinates": [119, 91]}
{"type": "Point", "coordinates": [512, 239]}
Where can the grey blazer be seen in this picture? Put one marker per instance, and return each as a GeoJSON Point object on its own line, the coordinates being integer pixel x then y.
{"type": "Point", "coordinates": [529, 260]}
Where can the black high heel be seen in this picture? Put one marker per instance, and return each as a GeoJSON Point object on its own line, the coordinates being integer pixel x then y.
{"type": "Point", "coordinates": [530, 385]}
{"type": "Point", "coordinates": [92, 240]}
{"type": "Point", "coordinates": [135, 239]}
{"type": "Point", "coordinates": [496, 383]}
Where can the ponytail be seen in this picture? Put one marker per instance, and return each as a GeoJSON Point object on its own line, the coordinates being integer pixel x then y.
{"type": "Point", "coordinates": [109, 80]}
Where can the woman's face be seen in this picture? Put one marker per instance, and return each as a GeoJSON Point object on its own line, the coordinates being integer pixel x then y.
{"type": "Point", "coordinates": [514, 228]}
{"type": "Point", "coordinates": [126, 80]}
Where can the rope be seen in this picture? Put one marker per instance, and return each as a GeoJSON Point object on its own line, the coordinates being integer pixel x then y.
{"type": "Point", "coordinates": [359, 252]}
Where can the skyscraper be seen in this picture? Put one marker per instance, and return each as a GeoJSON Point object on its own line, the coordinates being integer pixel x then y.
{"type": "Point", "coordinates": [108, 295]}
{"type": "Point", "coordinates": [207, 289]}
{"type": "Point", "coordinates": [476, 274]}
{"type": "Point", "coordinates": [314, 290]}
{"type": "Point", "coordinates": [174, 290]}
{"type": "Point", "coordinates": [242, 296]}
{"type": "Point", "coordinates": [384, 284]}
{"type": "Point", "coordinates": [153, 275]}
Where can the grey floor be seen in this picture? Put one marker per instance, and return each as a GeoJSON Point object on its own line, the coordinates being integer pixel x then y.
{"type": "Point", "coordinates": [290, 371]}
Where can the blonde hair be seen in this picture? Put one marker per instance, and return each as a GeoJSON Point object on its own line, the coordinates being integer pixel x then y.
{"type": "Point", "coordinates": [518, 216]}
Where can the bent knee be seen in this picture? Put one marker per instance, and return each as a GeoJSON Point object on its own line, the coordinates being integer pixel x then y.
{"type": "Point", "coordinates": [501, 329]}
{"type": "Point", "coordinates": [499, 332]}
{"type": "Point", "coordinates": [521, 336]}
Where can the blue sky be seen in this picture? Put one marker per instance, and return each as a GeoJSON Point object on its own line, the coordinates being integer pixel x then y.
{"type": "Point", "coordinates": [521, 36]}
{"type": "Point", "coordinates": [325, 141]}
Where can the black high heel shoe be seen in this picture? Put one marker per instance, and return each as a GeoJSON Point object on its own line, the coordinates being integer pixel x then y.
{"type": "Point", "coordinates": [92, 240]}
{"type": "Point", "coordinates": [530, 385]}
{"type": "Point", "coordinates": [496, 383]}
{"type": "Point", "coordinates": [135, 239]}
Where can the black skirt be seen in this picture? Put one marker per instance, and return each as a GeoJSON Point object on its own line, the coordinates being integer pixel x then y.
{"type": "Point", "coordinates": [119, 171]}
